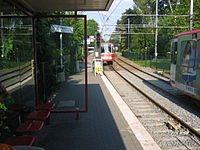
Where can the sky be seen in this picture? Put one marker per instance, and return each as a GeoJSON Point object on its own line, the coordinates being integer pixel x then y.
{"type": "Point", "coordinates": [109, 17]}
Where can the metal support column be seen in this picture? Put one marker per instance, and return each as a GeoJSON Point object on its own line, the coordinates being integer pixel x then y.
{"type": "Point", "coordinates": [156, 30]}
{"type": "Point", "coordinates": [86, 54]}
{"type": "Point", "coordinates": [34, 50]}
{"type": "Point", "coordinates": [128, 33]}
{"type": "Point", "coordinates": [61, 53]}
{"type": "Point", "coordinates": [191, 14]}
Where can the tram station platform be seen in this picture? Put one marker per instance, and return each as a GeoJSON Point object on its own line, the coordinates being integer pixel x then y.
{"type": "Point", "coordinates": [104, 127]}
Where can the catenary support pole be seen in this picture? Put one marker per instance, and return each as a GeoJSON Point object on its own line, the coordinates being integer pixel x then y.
{"type": "Point", "coordinates": [156, 30]}
{"type": "Point", "coordinates": [128, 33]}
{"type": "Point", "coordinates": [191, 14]}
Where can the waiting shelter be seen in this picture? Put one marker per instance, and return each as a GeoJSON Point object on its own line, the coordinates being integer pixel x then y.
{"type": "Point", "coordinates": [36, 9]}
{"type": "Point", "coordinates": [24, 79]}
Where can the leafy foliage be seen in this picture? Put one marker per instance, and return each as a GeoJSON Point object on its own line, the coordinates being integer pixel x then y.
{"type": "Point", "coordinates": [92, 27]}
{"type": "Point", "coordinates": [7, 47]}
{"type": "Point", "coordinates": [49, 50]}
{"type": "Point", "coordinates": [139, 42]}
{"type": "Point", "coordinates": [3, 107]}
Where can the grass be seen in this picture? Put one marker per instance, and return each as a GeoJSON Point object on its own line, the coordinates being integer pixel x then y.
{"type": "Point", "coordinates": [159, 64]}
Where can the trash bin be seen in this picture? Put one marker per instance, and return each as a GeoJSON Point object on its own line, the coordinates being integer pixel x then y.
{"type": "Point", "coordinates": [77, 66]}
{"type": "Point", "coordinates": [60, 74]}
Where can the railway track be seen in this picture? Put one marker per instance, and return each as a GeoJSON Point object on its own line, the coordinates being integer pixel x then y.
{"type": "Point", "coordinates": [162, 82]}
{"type": "Point", "coordinates": [159, 77]}
{"type": "Point", "coordinates": [169, 130]}
{"type": "Point", "coordinates": [157, 81]}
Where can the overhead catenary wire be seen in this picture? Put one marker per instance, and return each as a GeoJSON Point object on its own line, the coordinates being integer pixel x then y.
{"type": "Point", "coordinates": [102, 17]}
{"type": "Point", "coordinates": [111, 13]}
{"type": "Point", "coordinates": [114, 9]}
{"type": "Point", "coordinates": [140, 26]}
{"type": "Point", "coordinates": [153, 15]}
{"type": "Point", "coordinates": [103, 20]}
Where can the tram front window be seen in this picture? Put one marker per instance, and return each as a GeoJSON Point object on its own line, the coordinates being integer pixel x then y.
{"type": "Point", "coordinates": [106, 49]}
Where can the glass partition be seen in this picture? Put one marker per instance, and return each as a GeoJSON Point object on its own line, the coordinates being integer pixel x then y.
{"type": "Point", "coordinates": [17, 89]}
{"type": "Point", "coordinates": [16, 57]}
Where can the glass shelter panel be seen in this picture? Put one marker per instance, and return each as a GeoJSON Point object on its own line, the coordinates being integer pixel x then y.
{"type": "Point", "coordinates": [60, 55]}
{"type": "Point", "coordinates": [16, 57]}
{"type": "Point", "coordinates": [7, 9]}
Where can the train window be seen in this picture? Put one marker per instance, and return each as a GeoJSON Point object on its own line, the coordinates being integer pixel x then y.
{"type": "Point", "coordinates": [106, 48]}
{"type": "Point", "coordinates": [174, 52]}
{"type": "Point", "coordinates": [110, 49]}
{"type": "Point", "coordinates": [102, 49]}
{"type": "Point", "coordinates": [189, 53]}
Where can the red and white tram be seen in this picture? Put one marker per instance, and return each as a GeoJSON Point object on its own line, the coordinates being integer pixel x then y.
{"type": "Point", "coordinates": [107, 53]}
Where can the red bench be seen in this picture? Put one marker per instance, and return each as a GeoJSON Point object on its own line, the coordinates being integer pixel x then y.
{"type": "Point", "coordinates": [27, 140]}
{"type": "Point", "coordinates": [42, 114]}
{"type": "Point", "coordinates": [30, 126]}
{"type": "Point", "coordinates": [39, 115]}
{"type": "Point", "coordinates": [47, 106]}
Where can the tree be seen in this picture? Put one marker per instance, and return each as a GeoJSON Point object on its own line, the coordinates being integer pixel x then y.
{"type": "Point", "coordinates": [138, 42]}
{"type": "Point", "coordinates": [92, 27]}
{"type": "Point", "coordinates": [49, 49]}
{"type": "Point", "coordinates": [175, 7]}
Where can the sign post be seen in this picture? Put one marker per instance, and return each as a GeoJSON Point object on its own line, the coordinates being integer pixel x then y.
{"type": "Point", "coordinates": [61, 29]}
{"type": "Point", "coordinates": [98, 65]}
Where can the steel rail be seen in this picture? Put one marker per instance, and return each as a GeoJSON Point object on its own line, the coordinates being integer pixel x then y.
{"type": "Point", "coordinates": [191, 129]}
{"type": "Point", "coordinates": [161, 89]}
{"type": "Point", "coordinates": [143, 71]}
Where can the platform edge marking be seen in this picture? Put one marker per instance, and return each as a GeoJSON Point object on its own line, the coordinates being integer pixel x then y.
{"type": "Point", "coordinates": [143, 137]}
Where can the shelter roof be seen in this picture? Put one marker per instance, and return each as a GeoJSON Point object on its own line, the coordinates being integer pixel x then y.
{"type": "Point", "coordinates": [66, 5]}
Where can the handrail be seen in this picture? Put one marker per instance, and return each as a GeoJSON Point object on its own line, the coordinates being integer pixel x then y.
{"type": "Point", "coordinates": [18, 69]}
{"type": "Point", "coordinates": [16, 73]}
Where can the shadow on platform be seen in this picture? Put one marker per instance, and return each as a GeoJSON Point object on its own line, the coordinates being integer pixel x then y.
{"type": "Point", "coordinates": [95, 130]}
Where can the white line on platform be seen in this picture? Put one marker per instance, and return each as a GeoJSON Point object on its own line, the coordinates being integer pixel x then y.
{"type": "Point", "coordinates": [143, 137]}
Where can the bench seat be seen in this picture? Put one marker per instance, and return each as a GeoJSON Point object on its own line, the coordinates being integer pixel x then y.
{"type": "Point", "coordinates": [30, 126]}
{"type": "Point", "coordinates": [47, 106]}
{"type": "Point", "coordinates": [27, 140]}
{"type": "Point", "coordinates": [39, 115]}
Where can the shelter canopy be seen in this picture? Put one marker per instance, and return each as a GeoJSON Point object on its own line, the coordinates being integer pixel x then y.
{"type": "Point", "coordinates": [66, 5]}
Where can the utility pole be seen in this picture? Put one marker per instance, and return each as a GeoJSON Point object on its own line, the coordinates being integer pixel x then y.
{"type": "Point", "coordinates": [128, 33]}
{"type": "Point", "coordinates": [120, 39]}
{"type": "Point", "coordinates": [156, 30]}
{"type": "Point", "coordinates": [191, 14]}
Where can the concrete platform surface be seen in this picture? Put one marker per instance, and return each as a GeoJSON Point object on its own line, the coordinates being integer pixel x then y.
{"type": "Point", "coordinates": [103, 128]}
